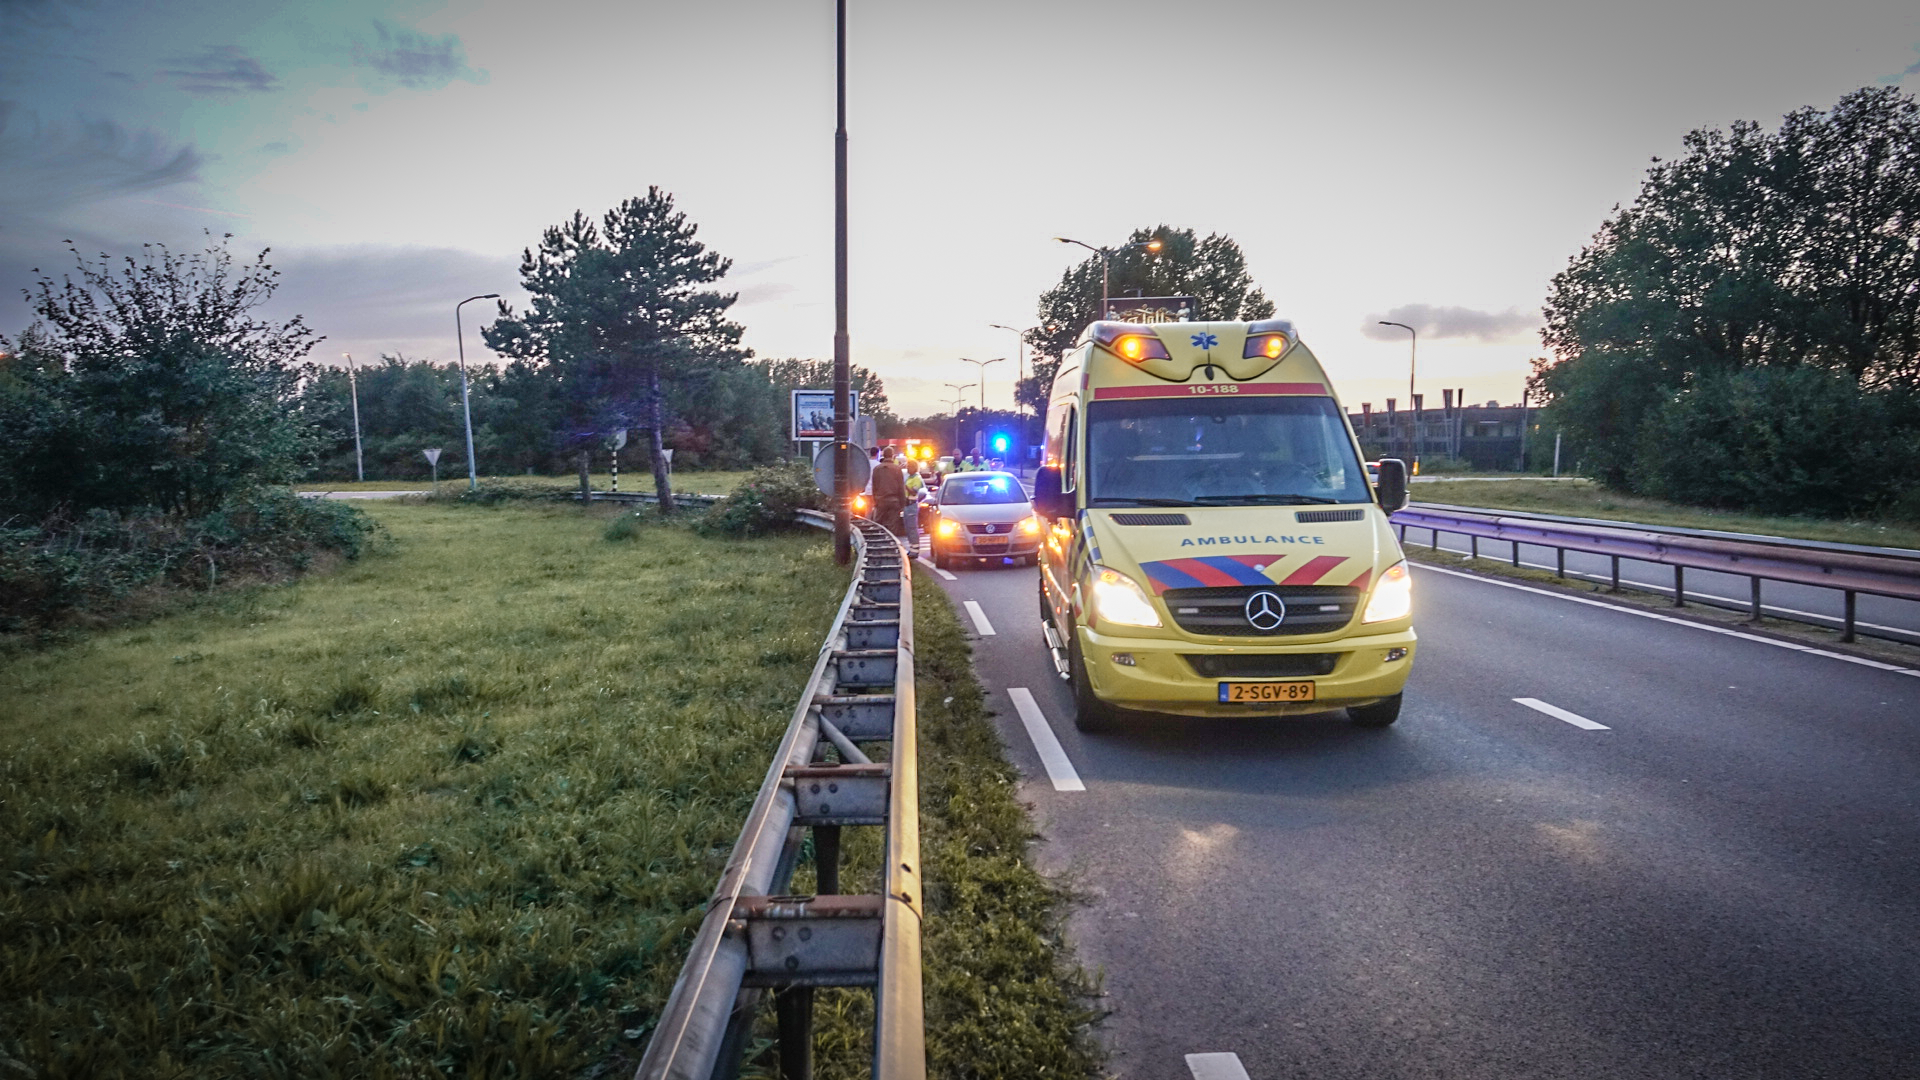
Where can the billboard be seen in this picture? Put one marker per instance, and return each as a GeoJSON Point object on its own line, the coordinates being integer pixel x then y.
{"type": "Point", "coordinates": [1150, 309]}
{"type": "Point", "coordinates": [813, 413]}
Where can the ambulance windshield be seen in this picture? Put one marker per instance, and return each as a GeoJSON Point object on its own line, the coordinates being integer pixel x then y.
{"type": "Point", "coordinates": [1223, 451]}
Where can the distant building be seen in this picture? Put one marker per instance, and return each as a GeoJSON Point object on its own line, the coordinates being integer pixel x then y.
{"type": "Point", "coordinates": [1485, 436]}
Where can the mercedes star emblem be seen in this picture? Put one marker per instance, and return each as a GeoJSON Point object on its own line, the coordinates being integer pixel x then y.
{"type": "Point", "coordinates": [1265, 610]}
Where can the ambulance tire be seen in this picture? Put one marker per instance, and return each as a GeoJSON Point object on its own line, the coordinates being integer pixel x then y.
{"type": "Point", "coordinates": [1379, 714]}
{"type": "Point", "coordinates": [1090, 714]}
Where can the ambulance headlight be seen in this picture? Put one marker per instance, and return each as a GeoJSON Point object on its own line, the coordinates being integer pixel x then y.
{"type": "Point", "coordinates": [1117, 599]}
{"type": "Point", "coordinates": [1392, 596]}
{"type": "Point", "coordinates": [1140, 347]}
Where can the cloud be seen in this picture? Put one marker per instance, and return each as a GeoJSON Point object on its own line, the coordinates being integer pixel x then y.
{"type": "Point", "coordinates": [1452, 322]}
{"type": "Point", "coordinates": [1911, 69]}
{"type": "Point", "coordinates": [50, 166]}
{"type": "Point", "coordinates": [415, 60]}
{"type": "Point", "coordinates": [221, 70]}
{"type": "Point", "coordinates": [369, 299]}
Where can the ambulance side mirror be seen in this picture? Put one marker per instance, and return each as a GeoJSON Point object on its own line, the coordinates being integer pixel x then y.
{"type": "Point", "coordinates": [1048, 500]}
{"type": "Point", "coordinates": [1392, 484]}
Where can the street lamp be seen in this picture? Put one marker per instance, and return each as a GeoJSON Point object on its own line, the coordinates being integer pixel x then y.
{"type": "Point", "coordinates": [1413, 356]}
{"type": "Point", "coordinates": [959, 395]}
{"type": "Point", "coordinates": [1106, 257]}
{"type": "Point", "coordinates": [1021, 336]}
{"type": "Point", "coordinates": [353, 387]}
{"type": "Point", "coordinates": [466, 406]}
{"type": "Point", "coordinates": [982, 365]}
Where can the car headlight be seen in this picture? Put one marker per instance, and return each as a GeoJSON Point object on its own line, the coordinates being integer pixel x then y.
{"type": "Point", "coordinates": [1031, 526]}
{"type": "Point", "coordinates": [1117, 599]}
{"type": "Point", "coordinates": [1392, 596]}
{"type": "Point", "coordinates": [947, 528]}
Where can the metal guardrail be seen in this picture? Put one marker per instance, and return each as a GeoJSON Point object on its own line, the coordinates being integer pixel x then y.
{"type": "Point", "coordinates": [1850, 573]}
{"type": "Point", "coordinates": [755, 939]}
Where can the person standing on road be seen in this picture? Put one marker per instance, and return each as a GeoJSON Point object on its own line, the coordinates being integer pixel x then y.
{"type": "Point", "coordinates": [889, 491]}
{"type": "Point", "coordinates": [910, 515]}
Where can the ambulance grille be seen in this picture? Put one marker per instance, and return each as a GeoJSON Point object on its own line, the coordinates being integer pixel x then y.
{"type": "Point", "coordinates": [1261, 665]}
{"type": "Point", "coordinates": [1307, 517]}
{"type": "Point", "coordinates": [1151, 519]}
{"type": "Point", "coordinates": [1311, 609]}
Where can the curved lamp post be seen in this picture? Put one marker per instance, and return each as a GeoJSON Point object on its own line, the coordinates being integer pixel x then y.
{"type": "Point", "coordinates": [466, 407]}
{"type": "Point", "coordinates": [959, 395]}
{"type": "Point", "coordinates": [1106, 258]}
{"type": "Point", "coordinates": [1413, 356]}
{"type": "Point", "coordinates": [982, 365]}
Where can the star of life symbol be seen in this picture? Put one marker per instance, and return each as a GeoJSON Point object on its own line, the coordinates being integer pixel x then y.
{"type": "Point", "coordinates": [1204, 341]}
{"type": "Point", "coordinates": [1265, 610]}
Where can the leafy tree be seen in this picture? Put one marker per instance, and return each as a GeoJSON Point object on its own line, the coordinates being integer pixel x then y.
{"type": "Point", "coordinates": [1212, 270]}
{"type": "Point", "coordinates": [152, 386]}
{"type": "Point", "coordinates": [618, 311]}
{"type": "Point", "coordinates": [1796, 248]}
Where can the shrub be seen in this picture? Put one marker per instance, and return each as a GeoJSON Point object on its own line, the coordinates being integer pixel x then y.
{"type": "Point", "coordinates": [89, 564]}
{"type": "Point", "coordinates": [765, 502]}
{"type": "Point", "coordinates": [1779, 440]}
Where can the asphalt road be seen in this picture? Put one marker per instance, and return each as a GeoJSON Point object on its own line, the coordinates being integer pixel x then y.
{"type": "Point", "coordinates": [1714, 877]}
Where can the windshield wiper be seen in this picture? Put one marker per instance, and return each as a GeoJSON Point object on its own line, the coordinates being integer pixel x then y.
{"type": "Point", "coordinates": [1130, 500]}
{"type": "Point", "coordinates": [1286, 500]}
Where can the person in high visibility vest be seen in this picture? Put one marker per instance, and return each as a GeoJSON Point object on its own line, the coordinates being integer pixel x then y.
{"type": "Point", "coordinates": [910, 514]}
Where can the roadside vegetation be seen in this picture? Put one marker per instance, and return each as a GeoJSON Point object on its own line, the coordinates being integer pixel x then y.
{"type": "Point", "coordinates": [1584, 498]}
{"type": "Point", "coordinates": [455, 810]}
{"type": "Point", "coordinates": [1746, 335]}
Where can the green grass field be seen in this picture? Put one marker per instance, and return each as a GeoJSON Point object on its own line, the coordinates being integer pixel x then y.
{"type": "Point", "coordinates": [715, 482]}
{"type": "Point", "coordinates": [454, 810]}
{"type": "Point", "coordinates": [1582, 498]}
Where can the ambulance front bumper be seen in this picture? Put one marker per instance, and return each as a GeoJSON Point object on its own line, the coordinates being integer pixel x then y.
{"type": "Point", "coordinates": [1163, 675]}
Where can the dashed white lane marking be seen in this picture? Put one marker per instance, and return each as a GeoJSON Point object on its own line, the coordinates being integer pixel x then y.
{"type": "Point", "coordinates": [1052, 757]}
{"type": "Point", "coordinates": [937, 570]}
{"type": "Point", "coordinates": [979, 615]}
{"type": "Point", "coordinates": [1216, 1067]}
{"type": "Point", "coordinates": [1559, 713]}
{"type": "Point", "coordinates": [1657, 617]}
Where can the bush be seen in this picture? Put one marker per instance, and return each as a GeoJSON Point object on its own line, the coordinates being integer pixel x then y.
{"type": "Point", "coordinates": [1777, 440]}
{"type": "Point", "coordinates": [89, 564]}
{"type": "Point", "coordinates": [765, 502]}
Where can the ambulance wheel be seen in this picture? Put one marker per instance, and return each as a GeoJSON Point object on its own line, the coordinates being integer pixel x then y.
{"type": "Point", "coordinates": [1379, 714]}
{"type": "Point", "coordinates": [1090, 714]}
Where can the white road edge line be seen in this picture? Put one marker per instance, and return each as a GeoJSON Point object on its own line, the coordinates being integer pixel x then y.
{"type": "Point", "coordinates": [937, 570]}
{"type": "Point", "coordinates": [1559, 713]}
{"type": "Point", "coordinates": [1656, 616]}
{"type": "Point", "coordinates": [979, 615]}
{"type": "Point", "coordinates": [1217, 1067]}
{"type": "Point", "coordinates": [1052, 757]}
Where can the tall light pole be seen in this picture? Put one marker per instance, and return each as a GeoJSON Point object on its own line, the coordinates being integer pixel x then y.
{"type": "Point", "coordinates": [1413, 356]}
{"type": "Point", "coordinates": [842, 349]}
{"type": "Point", "coordinates": [982, 365]}
{"type": "Point", "coordinates": [1106, 257]}
{"type": "Point", "coordinates": [959, 395]}
{"type": "Point", "coordinates": [353, 388]}
{"type": "Point", "coordinates": [466, 405]}
{"type": "Point", "coordinates": [1021, 336]}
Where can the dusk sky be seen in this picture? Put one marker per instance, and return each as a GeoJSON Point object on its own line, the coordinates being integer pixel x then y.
{"type": "Point", "coordinates": [1433, 164]}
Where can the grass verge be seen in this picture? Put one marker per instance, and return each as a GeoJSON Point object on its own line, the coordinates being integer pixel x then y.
{"type": "Point", "coordinates": [453, 810]}
{"type": "Point", "coordinates": [1890, 652]}
{"type": "Point", "coordinates": [1584, 498]}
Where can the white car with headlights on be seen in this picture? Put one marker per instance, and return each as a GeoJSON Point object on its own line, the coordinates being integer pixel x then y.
{"type": "Point", "coordinates": [984, 515]}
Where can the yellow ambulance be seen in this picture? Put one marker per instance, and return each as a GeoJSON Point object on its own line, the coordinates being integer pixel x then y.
{"type": "Point", "coordinates": [1214, 546]}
